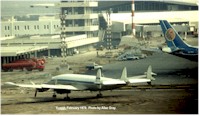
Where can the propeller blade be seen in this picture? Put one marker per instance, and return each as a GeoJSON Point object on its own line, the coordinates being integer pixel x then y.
{"type": "Point", "coordinates": [36, 92]}
{"type": "Point", "coordinates": [32, 83]}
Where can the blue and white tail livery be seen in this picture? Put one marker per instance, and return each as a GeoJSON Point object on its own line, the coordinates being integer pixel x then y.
{"type": "Point", "coordinates": [176, 45]}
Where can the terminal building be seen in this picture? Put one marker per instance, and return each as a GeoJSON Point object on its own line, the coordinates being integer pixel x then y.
{"type": "Point", "coordinates": [79, 28]}
{"type": "Point", "coordinates": [182, 14]}
{"type": "Point", "coordinates": [42, 26]}
{"type": "Point", "coordinates": [80, 24]}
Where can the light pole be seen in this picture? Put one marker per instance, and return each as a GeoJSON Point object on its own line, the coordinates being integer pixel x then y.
{"type": "Point", "coordinates": [108, 31]}
{"type": "Point", "coordinates": [133, 13]}
{"type": "Point", "coordinates": [63, 45]}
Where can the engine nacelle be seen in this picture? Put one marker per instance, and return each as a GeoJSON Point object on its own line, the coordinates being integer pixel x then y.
{"type": "Point", "coordinates": [62, 91]}
{"type": "Point", "coordinates": [42, 90]}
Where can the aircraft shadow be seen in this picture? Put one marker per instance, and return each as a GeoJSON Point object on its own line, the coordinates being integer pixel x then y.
{"type": "Point", "coordinates": [80, 99]}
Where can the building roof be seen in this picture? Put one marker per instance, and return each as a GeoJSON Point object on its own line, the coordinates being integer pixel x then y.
{"type": "Point", "coordinates": [154, 17]}
{"type": "Point", "coordinates": [106, 4]}
{"type": "Point", "coordinates": [20, 50]}
{"type": "Point", "coordinates": [20, 46]}
{"type": "Point", "coordinates": [183, 2]}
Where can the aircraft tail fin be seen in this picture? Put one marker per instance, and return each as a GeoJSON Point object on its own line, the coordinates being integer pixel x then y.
{"type": "Point", "coordinates": [173, 39]}
{"type": "Point", "coordinates": [149, 73]}
{"type": "Point", "coordinates": [98, 77]}
{"type": "Point", "coordinates": [124, 75]}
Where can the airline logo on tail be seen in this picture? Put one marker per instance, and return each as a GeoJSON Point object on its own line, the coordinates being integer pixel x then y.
{"type": "Point", "coordinates": [175, 44]}
{"type": "Point", "coordinates": [170, 34]}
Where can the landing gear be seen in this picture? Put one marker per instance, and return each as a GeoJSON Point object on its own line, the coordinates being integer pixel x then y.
{"type": "Point", "coordinates": [36, 92]}
{"type": "Point", "coordinates": [60, 91]}
{"type": "Point", "coordinates": [149, 83]}
{"type": "Point", "coordinates": [67, 97]}
{"type": "Point", "coordinates": [99, 95]}
{"type": "Point", "coordinates": [54, 95]}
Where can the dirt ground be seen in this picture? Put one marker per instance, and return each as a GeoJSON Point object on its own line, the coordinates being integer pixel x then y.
{"type": "Point", "coordinates": [115, 102]}
{"type": "Point", "coordinates": [21, 101]}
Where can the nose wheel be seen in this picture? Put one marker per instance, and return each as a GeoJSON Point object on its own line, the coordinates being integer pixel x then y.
{"type": "Point", "coordinates": [54, 95]}
{"type": "Point", "coordinates": [149, 83]}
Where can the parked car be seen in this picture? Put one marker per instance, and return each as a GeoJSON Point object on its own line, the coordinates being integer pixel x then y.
{"type": "Point", "coordinates": [132, 57]}
{"type": "Point", "coordinates": [93, 65]}
{"type": "Point", "coordinates": [129, 57]}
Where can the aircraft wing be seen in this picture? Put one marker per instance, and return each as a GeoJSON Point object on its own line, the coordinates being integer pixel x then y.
{"type": "Point", "coordinates": [67, 87]}
{"type": "Point", "coordinates": [25, 85]}
{"type": "Point", "coordinates": [47, 86]}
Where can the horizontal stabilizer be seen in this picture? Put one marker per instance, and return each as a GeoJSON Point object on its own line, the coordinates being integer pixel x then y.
{"type": "Point", "coordinates": [152, 73]}
{"type": "Point", "coordinates": [113, 82]}
{"type": "Point", "coordinates": [140, 78]}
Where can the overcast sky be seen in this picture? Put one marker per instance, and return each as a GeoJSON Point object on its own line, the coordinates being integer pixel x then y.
{"type": "Point", "coordinates": [10, 8]}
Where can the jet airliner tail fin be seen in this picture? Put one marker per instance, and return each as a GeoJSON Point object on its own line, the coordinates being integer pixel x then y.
{"type": "Point", "coordinates": [173, 39]}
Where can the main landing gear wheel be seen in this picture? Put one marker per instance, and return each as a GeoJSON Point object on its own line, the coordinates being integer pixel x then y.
{"type": "Point", "coordinates": [67, 97]}
{"type": "Point", "coordinates": [54, 96]}
{"type": "Point", "coordinates": [149, 83]}
{"type": "Point", "coordinates": [99, 95]}
{"type": "Point", "coordinates": [35, 92]}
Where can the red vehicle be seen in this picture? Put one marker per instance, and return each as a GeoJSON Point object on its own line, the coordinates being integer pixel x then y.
{"type": "Point", "coordinates": [28, 64]}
